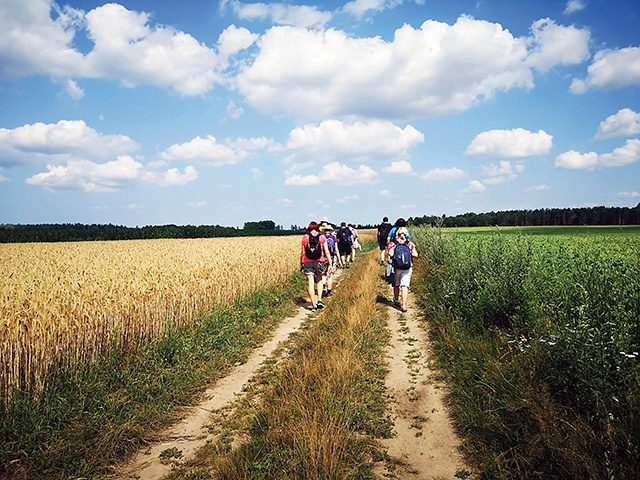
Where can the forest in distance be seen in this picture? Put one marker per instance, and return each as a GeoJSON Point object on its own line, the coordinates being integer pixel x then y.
{"type": "Point", "coordinates": [73, 232]}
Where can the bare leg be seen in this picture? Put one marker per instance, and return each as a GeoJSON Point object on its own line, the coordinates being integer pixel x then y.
{"type": "Point", "coordinates": [405, 296]}
{"type": "Point", "coordinates": [311, 290]}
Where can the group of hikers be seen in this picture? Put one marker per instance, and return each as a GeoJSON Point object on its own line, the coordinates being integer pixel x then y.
{"type": "Point", "coordinates": [325, 249]}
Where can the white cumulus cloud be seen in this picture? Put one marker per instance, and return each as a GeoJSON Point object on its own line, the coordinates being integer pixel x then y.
{"type": "Point", "coordinates": [208, 151]}
{"type": "Point", "coordinates": [574, 6]}
{"type": "Point", "coordinates": [557, 45]}
{"type": "Point", "coordinates": [280, 13]}
{"type": "Point", "coordinates": [60, 142]}
{"type": "Point", "coordinates": [624, 123]}
{"type": "Point", "coordinates": [443, 174]}
{"type": "Point", "coordinates": [434, 70]}
{"type": "Point", "coordinates": [611, 69]}
{"type": "Point", "coordinates": [401, 167]}
{"type": "Point", "coordinates": [358, 141]}
{"type": "Point", "coordinates": [515, 143]}
{"type": "Point", "coordinates": [627, 154]}
{"type": "Point", "coordinates": [88, 176]}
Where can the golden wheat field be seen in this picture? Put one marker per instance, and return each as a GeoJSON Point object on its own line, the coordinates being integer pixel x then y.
{"type": "Point", "coordinates": [64, 304]}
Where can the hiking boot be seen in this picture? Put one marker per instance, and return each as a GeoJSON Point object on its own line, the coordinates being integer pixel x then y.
{"type": "Point", "coordinates": [320, 304]}
{"type": "Point", "coordinates": [328, 294]}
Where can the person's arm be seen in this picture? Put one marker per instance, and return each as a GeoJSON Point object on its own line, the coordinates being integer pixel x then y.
{"type": "Point", "coordinates": [302, 251]}
{"type": "Point", "coordinates": [414, 250]}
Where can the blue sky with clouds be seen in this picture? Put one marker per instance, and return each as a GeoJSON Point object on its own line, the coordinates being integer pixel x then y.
{"type": "Point", "coordinates": [197, 112]}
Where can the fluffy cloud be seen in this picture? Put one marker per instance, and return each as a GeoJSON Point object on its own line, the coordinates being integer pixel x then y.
{"type": "Point", "coordinates": [475, 187]}
{"type": "Point", "coordinates": [434, 70]}
{"type": "Point", "coordinates": [337, 174]}
{"type": "Point", "coordinates": [60, 142]}
{"type": "Point", "coordinates": [126, 48]}
{"type": "Point", "coordinates": [279, 13]}
{"type": "Point", "coordinates": [208, 151]}
{"type": "Point", "coordinates": [611, 69]}
{"type": "Point", "coordinates": [628, 154]}
{"type": "Point", "coordinates": [334, 140]}
{"type": "Point", "coordinates": [442, 174]}
{"type": "Point", "coordinates": [89, 176]}
{"type": "Point", "coordinates": [401, 167]}
{"type": "Point", "coordinates": [502, 172]}
{"type": "Point", "coordinates": [516, 143]}
{"type": "Point", "coordinates": [557, 45]}
{"type": "Point", "coordinates": [624, 123]}
{"type": "Point", "coordinates": [574, 6]}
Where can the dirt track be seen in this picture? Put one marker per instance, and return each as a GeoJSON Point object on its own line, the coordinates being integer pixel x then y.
{"type": "Point", "coordinates": [424, 445]}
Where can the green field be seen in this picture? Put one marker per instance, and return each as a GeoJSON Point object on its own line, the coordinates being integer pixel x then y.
{"type": "Point", "coordinates": [554, 230]}
{"type": "Point", "coordinates": [539, 329]}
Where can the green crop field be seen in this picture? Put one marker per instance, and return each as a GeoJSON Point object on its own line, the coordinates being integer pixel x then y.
{"type": "Point", "coordinates": [540, 328]}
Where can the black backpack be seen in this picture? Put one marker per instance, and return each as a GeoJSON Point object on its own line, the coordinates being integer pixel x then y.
{"type": "Point", "coordinates": [344, 235]}
{"type": "Point", "coordinates": [383, 231]}
{"type": "Point", "coordinates": [313, 248]}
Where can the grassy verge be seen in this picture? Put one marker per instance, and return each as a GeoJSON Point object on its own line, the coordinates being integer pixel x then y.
{"type": "Point", "coordinates": [87, 421]}
{"type": "Point", "coordinates": [318, 411]}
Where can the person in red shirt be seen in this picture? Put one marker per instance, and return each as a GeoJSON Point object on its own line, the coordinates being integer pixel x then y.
{"type": "Point", "coordinates": [315, 259]}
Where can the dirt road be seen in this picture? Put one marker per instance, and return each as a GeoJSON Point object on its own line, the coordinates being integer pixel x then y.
{"type": "Point", "coordinates": [424, 445]}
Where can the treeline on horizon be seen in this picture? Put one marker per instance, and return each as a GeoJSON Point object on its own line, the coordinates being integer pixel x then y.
{"type": "Point", "coordinates": [584, 216]}
{"type": "Point", "coordinates": [78, 232]}
{"type": "Point", "coordinates": [75, 232]}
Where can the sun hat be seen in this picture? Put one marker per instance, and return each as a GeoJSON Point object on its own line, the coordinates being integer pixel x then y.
{"type": "Point", "coordinates": [326, 227]}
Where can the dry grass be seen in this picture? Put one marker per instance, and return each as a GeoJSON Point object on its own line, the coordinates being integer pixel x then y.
{"type": "Point", "coordinates": [65, 304]}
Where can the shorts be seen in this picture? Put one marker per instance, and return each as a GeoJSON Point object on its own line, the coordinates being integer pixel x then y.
{"type": "Point", "coordinates": [315, 268]}
{"type": "Point", "coordinates": [402, 278]}
{"type": "Point", "coordinates": [344, 249]}
{"type": "Point", "coordinates": [383, 245]}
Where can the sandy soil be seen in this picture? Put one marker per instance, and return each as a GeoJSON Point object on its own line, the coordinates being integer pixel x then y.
{"type": "Point", "coordinates": [424, 446]}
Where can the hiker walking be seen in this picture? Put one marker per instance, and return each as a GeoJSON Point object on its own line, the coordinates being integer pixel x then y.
{"type": "Point", "coordinates": [402, 252]}
{"type": "Point", "coordinates": [356, 244]}
{"type": "Point", "coordinates": [328, 231]}
{"type": "Point", "coordinates": [345, 242]}
{"type": "Point", "coordinates": [400, 222]}
{"type": "Point", "coordinates": [383, 232]}
{"type": "Point", "coordinates": [314, 261]}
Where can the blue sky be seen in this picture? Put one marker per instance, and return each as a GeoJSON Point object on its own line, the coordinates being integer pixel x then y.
{"type": "Point", "coordinates": [153, 112]}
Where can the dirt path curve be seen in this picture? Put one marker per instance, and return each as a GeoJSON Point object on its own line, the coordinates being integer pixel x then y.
{"type": "Point", "coordinates": [192, 432]}
{"type": "Point", "coordinates": [425, 445]}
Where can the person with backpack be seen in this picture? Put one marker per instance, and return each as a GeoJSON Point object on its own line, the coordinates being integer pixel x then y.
{"type": "Point", "coordinates": [314, 261]}
{"type": "Point", "coordinates": [328, 231]}
{"type": "Point", "coordinates": [400, 222]}
{"type": "Point", "coordinates": [345, 242]}
{"type": "Point", "coordinates": [402, 251]}
{"type": "Point", "coordinates": [383, 232]}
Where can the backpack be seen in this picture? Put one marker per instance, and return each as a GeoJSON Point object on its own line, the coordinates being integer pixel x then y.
{"type": "Point", "coordinates": [331, 243]}
{"type": "Point", "coordinates": [313, 248]}
{"type": "Point", "coordinates": [383, 232]}
{"type": "Point", "coordinates": [344, 235]}
{"type": "Point", "coordinates": [402, 257]}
